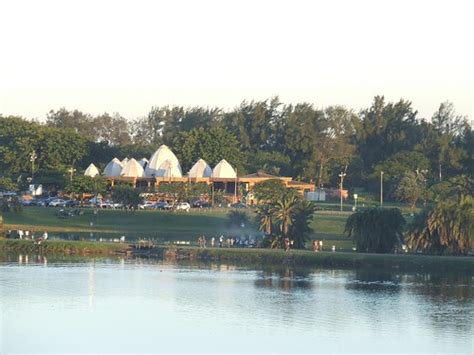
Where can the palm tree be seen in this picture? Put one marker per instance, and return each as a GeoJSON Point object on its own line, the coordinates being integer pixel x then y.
{"type": "Point", "coordinates": [447, 228]}
{"type": "Point", "coordinates": [284, 211]}
{"type": "Point", "coordinates": [300, 229]}
{"type": "Point", "coordinates": [265, 219]}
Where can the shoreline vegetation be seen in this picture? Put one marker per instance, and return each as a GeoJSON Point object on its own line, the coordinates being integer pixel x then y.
{"type": "Point", "coordinates": [296, 258]}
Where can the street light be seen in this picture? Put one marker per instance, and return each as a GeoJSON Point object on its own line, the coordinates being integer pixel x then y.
{"type": "Point", "coordinates": [381, 188]}
{"type": "Point", "coordinates": [341, 175]}
{"type": "Point", "coordinates": [71, 172]}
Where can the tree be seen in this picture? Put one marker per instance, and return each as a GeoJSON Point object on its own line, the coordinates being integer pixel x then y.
{"type": "Point", "coordinates": [269, 191]}
{"type": "Point", "coordinates": [376, 230]}
{"type": "Point", "coordinates": [384, 130]}
{"type": "Point", "coordinates": [448, 228]}
{"type": "Point", "coordinates": [411, 188]}
{"type": "Point", "coordinates": [112, 129]}
{"type": "Point", "coordinates": [10, 204]}
{"type": "Point", "coordinates": [7, 184]}
{"type": "Point", "coordinates": [127, 195]}
{"type": "Point", "coordinates": [300, 229]}
{"type": "Point", "coordinates": [81, 185]}
{"type": "Point", "coordinates": [284, 212]}
{"type": "Point", "coordinates": [265, 219]}
{"type": "Point", "coordinates": [210, 144]}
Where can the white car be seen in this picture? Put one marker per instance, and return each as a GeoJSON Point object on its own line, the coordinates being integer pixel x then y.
{"type": "Point", "coordinates": [146, 205]}
{"type": "Point", "coordinates": [184, 206]}
{"type": "Point", "coordinates": [56, 203]}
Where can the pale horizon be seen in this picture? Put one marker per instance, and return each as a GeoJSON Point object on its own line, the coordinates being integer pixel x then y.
{"type": "Point", "coordinates": [125, 57]}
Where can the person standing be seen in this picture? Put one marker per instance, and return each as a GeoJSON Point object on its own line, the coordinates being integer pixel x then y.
{"type": "Point", "coordinates": [221, 240]}
{"type": "Point", "coordinates": [213, 241]}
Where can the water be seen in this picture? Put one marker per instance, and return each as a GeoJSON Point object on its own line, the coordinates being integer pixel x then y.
{"type": "Point", "coordinates": [138, 306]}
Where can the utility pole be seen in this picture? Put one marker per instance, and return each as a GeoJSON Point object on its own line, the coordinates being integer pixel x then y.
{"type": "Point", "coordinates": [341, 175]}
{"type": "Point", "coordinates": [33, 157]}
{"type": "Point", "coordinates": [235, 187]}
{"type": "Point", "coordinates": [381, 189]}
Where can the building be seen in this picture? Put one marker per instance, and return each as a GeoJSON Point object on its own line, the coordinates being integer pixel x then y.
{"type": "Point", "coordinates": [164, 168]}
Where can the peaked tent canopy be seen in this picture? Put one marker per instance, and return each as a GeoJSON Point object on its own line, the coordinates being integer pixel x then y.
{"type": "Point", "coordinates": [91, 171]}
{"type": "Point", "coordinates": [224, 170]}
{"type": "Point", "coordinates": [132, 169]}
{"type": "Point", "coordinates": [124, 161]}
{"type": "Point", "coordinates": [200, 169]}
{"type": "Point", "coordinates": [169, 169]}
{"type": "Point", "coordinates": [158, 158]}
{"type": "Point", "coordinates": [113, 168]}
{"type": "Point", "coordinates": [143, 162]}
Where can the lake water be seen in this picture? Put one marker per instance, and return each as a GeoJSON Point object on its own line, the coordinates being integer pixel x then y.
{"type": "Point", "coordinates": [143, 306]}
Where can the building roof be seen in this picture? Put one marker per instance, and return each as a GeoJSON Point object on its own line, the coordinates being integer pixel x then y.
{"type": "Point", "coordinates": [113, 168]}
{"type": "Point", "coordinates": [132, 169]}
{"type": "Point", "coordinates": [200, 169]}
{"type": "Point", "coordinates": [260, 174]}
{"type": "Point", "coordinates": [169, 169]}
{"type": "Point", "coordinates": [91, 171]}
{"type": "Point", "coordinates": [143, 162]}
{"type": "Point", "coordinates": [224, 170]}
{"type": "Point", "coordinates": [162, 154]}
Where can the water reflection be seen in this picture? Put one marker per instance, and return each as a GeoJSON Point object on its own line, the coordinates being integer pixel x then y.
{"type": "Point", "coordinates": [212, 305]}
{"type": "Point", "coordinates": [284, 279]}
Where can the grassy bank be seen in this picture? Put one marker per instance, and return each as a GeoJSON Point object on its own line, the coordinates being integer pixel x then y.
{"type": "Point", "coordinates": [327, 225]}
{"type": "Point", "coordinates": [62, 247]}
{"type": "Point", "coordinates": [402, 262]}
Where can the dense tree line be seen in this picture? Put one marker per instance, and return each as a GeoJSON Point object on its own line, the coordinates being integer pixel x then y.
{"type": "Point", "coordinates": [303, 141]}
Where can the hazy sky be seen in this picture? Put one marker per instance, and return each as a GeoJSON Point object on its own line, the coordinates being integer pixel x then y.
{"type": "Point", "coordinates": [126, 56]}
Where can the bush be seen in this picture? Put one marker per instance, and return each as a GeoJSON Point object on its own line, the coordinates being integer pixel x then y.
{"type": "Point", "coordinates": [376, 230]}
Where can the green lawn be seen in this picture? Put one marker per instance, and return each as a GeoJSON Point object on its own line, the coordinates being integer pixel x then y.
{"type": "Point", "coordinates": [328, 226]}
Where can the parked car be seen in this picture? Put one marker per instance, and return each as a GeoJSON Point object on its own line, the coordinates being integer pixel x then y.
{"type": "Point", "coordinates": [163, 205]}
{"type": "Point", "coordinates": [71, 203]}
{"type": "Point", "coordinates": [239, 205]}
{"type": "Point", "coordinates": [201, 204]}
{"type": "Point", "coordinates": [56, 203]}
{"type": "Point", "coordinates": [146, 205]}
{"type": "Point", "coordinates": [183, 206]}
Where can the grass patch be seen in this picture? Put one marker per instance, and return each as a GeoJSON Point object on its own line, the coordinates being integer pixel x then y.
{"type": "Point", "coordinates": [328, 226]}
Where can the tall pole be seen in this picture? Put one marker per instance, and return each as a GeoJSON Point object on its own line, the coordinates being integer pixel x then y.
{"type": "Point", "coordinates": [235, 187]}
{"type": "Point", "coordinates": [381, 188]}
{"type": "Point", "coordinates": [341, 175]}
{"type": "Point", "coordinates": [33, 157]}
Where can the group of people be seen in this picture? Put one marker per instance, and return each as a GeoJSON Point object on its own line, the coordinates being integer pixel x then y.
{"type": "Point", "coordinates": [317, 245]}
{"type": "Point", "coordinates": [225, 242]}
{"type": "Point", "coordinates": [26, 235]}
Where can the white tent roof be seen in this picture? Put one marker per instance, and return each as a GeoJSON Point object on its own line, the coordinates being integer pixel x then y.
{"type": "Point", "coordinates": [113, 168]}
{"type": "Point", "coordinates": [224, 170]}
{"type": "Point", "coordinates": [91, 171]}
{"type": "Point", "coordinates": [124, 161]}
{"type": "Point", "coordinates": [132, 169]}
{"type": "Point", "coordinates": [158, 158]}
{"type": "Point", "coordinates": [200, 169]}
{"type": "Point", "coordinates": [143, 162]}
{"type": "Point", "coordinates": [169, 169]}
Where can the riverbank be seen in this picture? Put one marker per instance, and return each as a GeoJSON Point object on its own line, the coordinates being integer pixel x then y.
{"type": "Point", "coordinates": [402, 262]}
{"type": "Point", "coordinates": [62, 247]}
{"type": "Point", "coordinates": [297, 258]}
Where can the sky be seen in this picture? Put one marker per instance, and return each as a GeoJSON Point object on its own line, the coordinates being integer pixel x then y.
{"type": "Point", "coordinates": [127, 56]}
